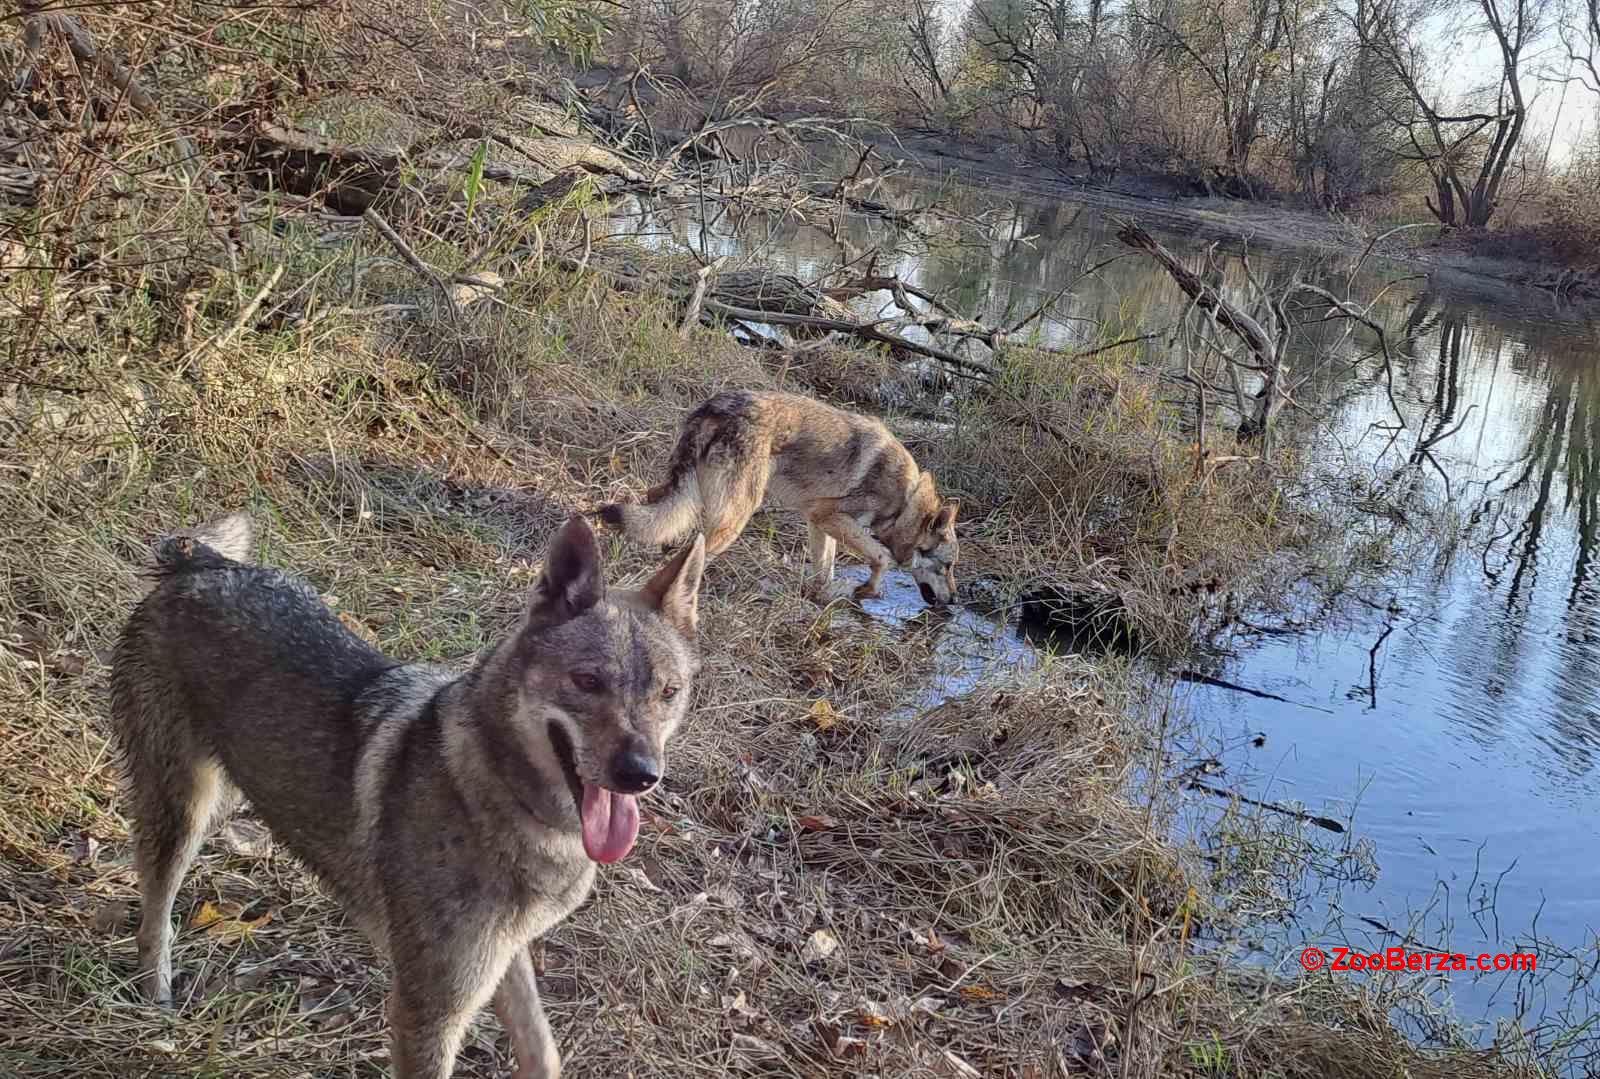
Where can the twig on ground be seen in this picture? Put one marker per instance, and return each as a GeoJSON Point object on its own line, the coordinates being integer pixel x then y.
{"type": "Point", "coordinates": [691, 314]}
{"type": "Point", "coordinates": [428, 273]}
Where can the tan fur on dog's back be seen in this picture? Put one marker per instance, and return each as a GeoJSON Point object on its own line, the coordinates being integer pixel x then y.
{"type": "Point", "coordinates": [852, 479]}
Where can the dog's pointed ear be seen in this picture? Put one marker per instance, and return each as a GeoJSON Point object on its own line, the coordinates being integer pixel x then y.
{"type": "Point", "coordinates": [946, 517]}
{"type": "Point", "coordinates": [674, 591]}
{"type": "Point", "coordinates": [572, 580]}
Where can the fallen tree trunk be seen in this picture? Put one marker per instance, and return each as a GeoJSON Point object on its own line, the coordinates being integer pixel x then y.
{"type": "Point", "coordinates": [1268, 347]}
{"type": "Point", "coordinates": [1205, 297]}
{"type": "Point", "coordinates": [270, 157]}
{"type": "Point", "coordinates": [865, 331]}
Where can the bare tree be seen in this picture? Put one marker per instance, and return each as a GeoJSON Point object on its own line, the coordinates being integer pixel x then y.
{"type": "Point", "coordinates": [1343, 102]}
{"type": "Point", "coordinates": [1466, 153]}
{"type": "Point", "coordinates": [737, 53]}
{"type": "Point", "coordinates": [1065, 69]}
{"type": "Point", "coordinates": [1580, 33]}
{"type": "Point", "coordinates": [926, 52]}
{"type": "Point", "coordinates": [1236, 45]}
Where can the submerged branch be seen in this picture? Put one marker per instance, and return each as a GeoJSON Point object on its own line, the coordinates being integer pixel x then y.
{"type": "Point", "coordinates": [1327, 823]}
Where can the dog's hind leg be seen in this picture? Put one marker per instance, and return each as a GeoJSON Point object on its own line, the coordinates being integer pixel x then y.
{"type": "Point", "coordinates": [176, 803]}
{"type": "Point", "coordinates": [730, 497]}
{"type": "Point", "coordinates": [516, 1003]}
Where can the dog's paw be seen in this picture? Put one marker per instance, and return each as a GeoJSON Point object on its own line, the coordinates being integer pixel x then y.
{"type": "Point", "coordinates": [867, 591]}
{"type": "Point", "coordinates": [823, 593]}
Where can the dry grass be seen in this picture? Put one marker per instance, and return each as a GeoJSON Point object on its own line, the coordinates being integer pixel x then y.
{"type": "Point", "coordinates": [996, 901]}
{"type": "Point", "coordinates": [994, 896]}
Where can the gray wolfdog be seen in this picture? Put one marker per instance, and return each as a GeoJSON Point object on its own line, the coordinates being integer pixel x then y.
{"type": "Point", "coordinates": [853, 480]}
{"type": "Point", "coordinates": [456, 816]}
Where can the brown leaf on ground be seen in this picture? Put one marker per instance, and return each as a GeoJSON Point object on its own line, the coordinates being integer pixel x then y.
{"type": "Point", "coordinates": [840, 1045]}
{"type": "Point", "coordinates": [1068, 989]}
{"type": "Point", "coordinates": [110, 917]}
{"type": "Point", "coordinates": [228, 921]}
{"type": "Point", "coordinates": [951, 1064]}
{"type": "Point", "coordinates": [1090, 1045]}
{"type": "Point", "coordinates": [823, 715]}
{"type": "Point", "coordinates": [358, 627]}
{"type": "Point", "coordinates": [68, 664]}
{"type": "Point", "coordinates": [874, 1016]}
{"type": "Point", "coordinates": [751, 1052]}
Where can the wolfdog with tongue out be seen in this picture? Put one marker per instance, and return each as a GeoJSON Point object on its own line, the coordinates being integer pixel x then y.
{"type": "Point", "coordinates": [455, 816]}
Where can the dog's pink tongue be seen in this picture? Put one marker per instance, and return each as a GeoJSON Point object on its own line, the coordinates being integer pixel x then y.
{"type": "Point", "coordinates": [610, 824]}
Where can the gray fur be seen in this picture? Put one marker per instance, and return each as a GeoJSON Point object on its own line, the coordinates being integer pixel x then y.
{"type": "Point", "coordinates": [442, 809]}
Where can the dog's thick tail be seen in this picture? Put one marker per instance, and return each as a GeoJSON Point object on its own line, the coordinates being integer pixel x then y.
{"type": "Point", "coordinates": [670, 509]}
{"type": "Point", "coordinates": [227, 541]}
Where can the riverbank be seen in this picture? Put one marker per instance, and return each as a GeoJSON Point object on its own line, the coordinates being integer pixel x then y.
{"type": "Point", "coordinates": [1524, 261]}
{"type": "Point", "coordinates": [988, 887]}
{"type": "Point", "coordinates": [817, 890]}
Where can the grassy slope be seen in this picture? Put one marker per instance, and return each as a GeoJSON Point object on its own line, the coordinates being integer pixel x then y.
{"type": "Point", "coordinates": [998, 903]}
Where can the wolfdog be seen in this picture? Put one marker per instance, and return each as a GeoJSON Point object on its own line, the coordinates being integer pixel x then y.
{"type": "Point", "coordinates": [854, 481]}
{"type": "Point", "coordinates": [455, 816]}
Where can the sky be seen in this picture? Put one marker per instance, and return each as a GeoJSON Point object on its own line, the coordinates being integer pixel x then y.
{"type": "Point", "coordinates": [1555, 120]}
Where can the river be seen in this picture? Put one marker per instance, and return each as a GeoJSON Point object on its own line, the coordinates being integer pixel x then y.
{"type": "Point", "coordinates": [1445, 702]}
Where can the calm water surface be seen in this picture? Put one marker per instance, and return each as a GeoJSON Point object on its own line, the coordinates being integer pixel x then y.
{"type": "Point", "coordinates": [1448, 707]}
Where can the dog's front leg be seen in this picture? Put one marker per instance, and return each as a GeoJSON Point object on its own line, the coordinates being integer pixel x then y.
{"type": "Point", "coordinates": [429, 1010]}
{"type": "Point", "coordinates": [516, 1003]}
{"type": "Point", "coordinates": [848, 531]}
{"type": "Point", "coordinates": [822, 549]}
{"type": "Point", "coordinates": [425, 1035]}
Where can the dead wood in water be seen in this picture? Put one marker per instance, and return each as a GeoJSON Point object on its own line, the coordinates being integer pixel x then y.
{"type": "Point", "coordinates": [1268, 345]}
{"type": "Point", "coordinates": [1266, 331]}
{"type": "Point", "coordinates": [1205, 296]}
{"type": "Point", "coordinates": [1326, 823]}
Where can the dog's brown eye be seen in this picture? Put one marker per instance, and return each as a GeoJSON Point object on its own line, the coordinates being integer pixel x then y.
{"type": "Point", "coordinates": [588, 683]}
{"type": "Point", "coordinates": [669, 692]}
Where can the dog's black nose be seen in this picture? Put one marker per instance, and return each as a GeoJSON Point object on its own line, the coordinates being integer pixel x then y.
{"type": "Point", "coordinates": [927, 595]}
{"type": "Point", "coordinates": [635, 772]}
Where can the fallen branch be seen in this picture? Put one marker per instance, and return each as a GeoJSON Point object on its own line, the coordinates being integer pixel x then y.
{"type": "Point", "coordinates": [1298, 814]}
{"type": "Point", "coordinates": [691, 315]}
{"type": "Point", "coordinates": [865, 331]}
{"type": "Point", "coordinates": [81, 43]}
{"type": "Point", "coordinates": [1204, 296]}
{"type": "Point", "coordinates": [221, 340]}
{"type": "Point", "coordinates": [1268, 347]}
{"type": "Point", "coordinates": [423, 270]}
{"type": "Point", "coordinates": [1207, 680]}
